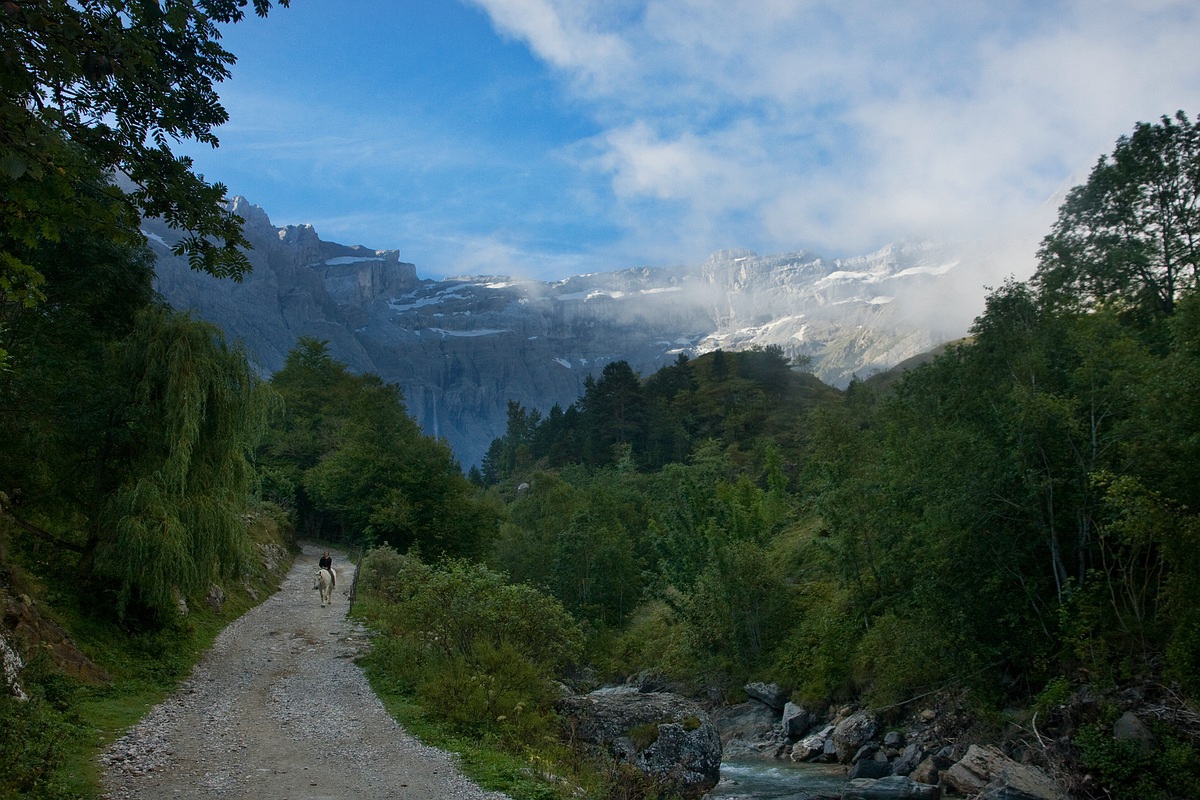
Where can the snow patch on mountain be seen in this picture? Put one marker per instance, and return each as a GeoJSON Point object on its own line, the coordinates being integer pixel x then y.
{"type": "Point", "coordinates": [461, 348]}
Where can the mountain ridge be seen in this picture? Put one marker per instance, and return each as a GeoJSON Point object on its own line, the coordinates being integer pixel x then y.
{"type": "Point", "coordinates": [461, 348]}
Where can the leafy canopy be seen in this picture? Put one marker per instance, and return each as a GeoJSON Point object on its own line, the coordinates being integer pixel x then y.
{"type": "Point", "coordinates": [98, 88]}
{"type": "Point", "coordinates": [1131, 234]}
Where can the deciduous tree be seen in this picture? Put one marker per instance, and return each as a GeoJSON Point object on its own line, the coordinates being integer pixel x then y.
{"type": "Point", "coordinates": [1131, 234]}
{"type": "Point", "coordinates": [94, 89]}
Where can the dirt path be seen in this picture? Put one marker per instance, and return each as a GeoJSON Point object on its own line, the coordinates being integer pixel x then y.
{"type": "Point", "coordinates": [278, 710]}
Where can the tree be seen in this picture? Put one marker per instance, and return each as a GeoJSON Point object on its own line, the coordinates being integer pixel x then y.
{"type": "Point", "coordinates": [615, 412]}
{"type": "Point", "coordinates": [316, 394]}
{"type": "Point", "coordinates": [94, 89]}
{"type": "Point", "coordinates": [1131, 234]}
{"type": "Point", "coordinates": [58, 435]}
{"type": "Point", "coordinates": [595, 572]}
{"type": "Point", "coordinates": [349, 460]}
{"type": "Point", "coordinates": [174, 521]}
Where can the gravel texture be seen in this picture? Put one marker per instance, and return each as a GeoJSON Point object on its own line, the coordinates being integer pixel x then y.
{"type": "Point", "coordinates": [278, 710]}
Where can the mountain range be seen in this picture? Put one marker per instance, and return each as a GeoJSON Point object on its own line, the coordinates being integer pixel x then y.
{"type": "Point", "coordinates": [461, 348]}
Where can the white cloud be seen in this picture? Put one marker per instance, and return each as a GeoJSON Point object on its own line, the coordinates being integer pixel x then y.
{"type": "Point", "coordinates": [565, 35]}
{"type": "Point", "coordinates": [850, 122]}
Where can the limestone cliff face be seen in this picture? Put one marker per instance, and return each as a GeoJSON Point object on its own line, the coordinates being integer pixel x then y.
{"type": "Point", "coordinates": [460, 349]}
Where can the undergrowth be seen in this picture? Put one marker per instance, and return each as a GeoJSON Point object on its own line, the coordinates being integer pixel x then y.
{"type": "Point", "coordinates": [528, 774]}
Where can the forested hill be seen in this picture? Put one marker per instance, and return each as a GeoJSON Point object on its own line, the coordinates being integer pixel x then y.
{"type": "Point", "coordinates": [748, 401]}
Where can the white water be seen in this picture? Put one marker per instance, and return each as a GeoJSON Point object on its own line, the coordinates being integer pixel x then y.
{"type": "Point", "coordinates": [777, 780]}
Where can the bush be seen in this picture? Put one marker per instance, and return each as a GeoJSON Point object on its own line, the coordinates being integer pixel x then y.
{"type": "Point", "coordinates": [900, 656]}
{"type": "Point", "coordinates": [1165, 773]}
{"type": "Point", "coordinates": [816, 658]}
{"type": "Point", "coordinates": [478, 652]}
{"type": "Point", "coordinates": [652, 640]}
{"type": "Point", "coordinates": [35, 737]}
{"type": "Point", "coordinates": [495, 690]}
{"type": "Point", "coordinates": [456, 606]}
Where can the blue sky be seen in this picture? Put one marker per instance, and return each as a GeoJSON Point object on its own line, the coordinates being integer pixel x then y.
{"type": "Point", "coordinates": [544, 138]}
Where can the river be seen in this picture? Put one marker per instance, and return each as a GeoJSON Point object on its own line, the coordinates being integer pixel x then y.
{"type": "Point", "coordinates": [777, 780]}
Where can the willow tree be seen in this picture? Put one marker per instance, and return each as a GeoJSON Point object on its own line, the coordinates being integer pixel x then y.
{"type": "Point", "coordinates": [174, 523]}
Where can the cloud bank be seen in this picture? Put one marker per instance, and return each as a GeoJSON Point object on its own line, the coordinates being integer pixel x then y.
{"type": "Point", "coordinates": [841, 126]}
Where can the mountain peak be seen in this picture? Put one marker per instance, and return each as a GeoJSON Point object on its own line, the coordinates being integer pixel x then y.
{"type": "Point", "coordinates": [461, 349]}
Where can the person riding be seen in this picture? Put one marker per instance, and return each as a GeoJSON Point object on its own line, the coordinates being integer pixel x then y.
{"type": "Point", "coordinates": [326, 562]}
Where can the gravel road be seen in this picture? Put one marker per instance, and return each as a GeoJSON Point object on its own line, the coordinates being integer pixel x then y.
{"type": "Point", "coordinates": [278, 710]}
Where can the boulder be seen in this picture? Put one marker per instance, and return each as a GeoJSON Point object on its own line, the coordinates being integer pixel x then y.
{"type": "Point", "coordinates": [988, 768]}
{"type": "Point", "coordinates": [894, 787]}
{"type": "Point", "coordinates": [868, 750]}
{"type": "Point", "coordinates": [908, 760]}
{"type": "Point", "coordinates": [998, 790]}
{"type": "Point", "coordinates": [830, 752]}
{"type": "Point", "coordinates": [812, 746]}
{"type": "Point", "coordinates": [852, 733]}
{"type": "Point", "coordinates": [749, 731]}
{"type": "Point", "coordinates": [869, 768]}
{"type": "Point", "coordinates": [1128, 728]}
{"type": "Point", "coordinates": [768, 694]}
{"type": "Point", "coordinates": [926, 771]}
{"type": "Point", "coordinates": [668, 738]}
{"type": "Point", "coordinates": [796, 721]}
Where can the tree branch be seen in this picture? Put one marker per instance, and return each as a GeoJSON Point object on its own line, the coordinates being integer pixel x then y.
{"type": "Point", "coordinates": [45, 536]}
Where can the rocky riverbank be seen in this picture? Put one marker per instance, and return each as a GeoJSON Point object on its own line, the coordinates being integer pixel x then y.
{"type": "Point", "coordinates": [926, 756]}
{"type": "Point", "coordinates": [939, 749]}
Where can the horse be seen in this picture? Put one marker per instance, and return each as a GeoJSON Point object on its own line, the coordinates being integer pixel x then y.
{"type": "Point", "coordinates": [325, 584]}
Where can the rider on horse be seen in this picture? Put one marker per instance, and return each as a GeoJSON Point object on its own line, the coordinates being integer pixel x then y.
{"type": "Point", "coordinates": [326, 562]}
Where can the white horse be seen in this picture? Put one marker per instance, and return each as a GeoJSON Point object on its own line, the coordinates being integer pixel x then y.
{"type": "Point", "coordinates": [325, 584]}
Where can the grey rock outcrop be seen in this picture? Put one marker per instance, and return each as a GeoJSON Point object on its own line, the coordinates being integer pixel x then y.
{"type": "Point", "coordinates": [667, 737]}
{"type": "Point", "coordinates": [989, 769]}
{"type": "Point", "coordinates": [749, 731]}
{"type": "Point", "coordinates": [768, 694]}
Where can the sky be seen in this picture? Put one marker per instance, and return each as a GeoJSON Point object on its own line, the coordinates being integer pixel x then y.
{"type": "Point", "coordinates": [547, 138]}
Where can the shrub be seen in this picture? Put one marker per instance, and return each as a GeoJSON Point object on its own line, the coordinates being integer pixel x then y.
{"type": "Point", "coordinates": [1167, 772]}
{"type": "Point", "coordinates": [899, 656]}
{"type": "Point", "coordinates": [36, 736]}
{"type": "Point", "coordinates": [493, 689]}
{"type": "Point", "coordinates": [477, 651]}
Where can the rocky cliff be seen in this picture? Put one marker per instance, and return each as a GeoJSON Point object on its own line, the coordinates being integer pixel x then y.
{"type": "Point", "coordinates": [461, 348]}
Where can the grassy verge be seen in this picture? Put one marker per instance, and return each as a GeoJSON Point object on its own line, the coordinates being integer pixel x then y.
{"type": "Point", "coordinates": [527, 776]}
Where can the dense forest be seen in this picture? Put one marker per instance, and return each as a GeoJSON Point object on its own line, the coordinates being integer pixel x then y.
{"type": "Point", "coordinates": [1013, 520]}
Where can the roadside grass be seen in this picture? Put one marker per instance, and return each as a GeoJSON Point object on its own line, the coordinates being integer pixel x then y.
{"type": "Point", "coordinates": [532, 775]}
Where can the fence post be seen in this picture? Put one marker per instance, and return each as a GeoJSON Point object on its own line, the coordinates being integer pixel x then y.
{"type": "Point", "coordinates": [354, 585]}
